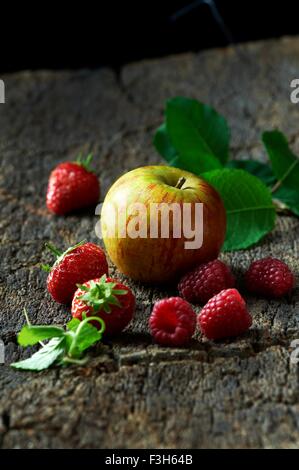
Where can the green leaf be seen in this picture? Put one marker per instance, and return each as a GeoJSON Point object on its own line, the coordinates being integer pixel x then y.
{"type": "Point", "coordinates": [73, 324]}
{"type": "Point", "coordinates": [198, 133]}
{"type": "Point", "coordinates": [82, 335]}
{"type": "Point", "coordinates": [285, 163]}
{"type": "Point", "coordinates": [289, 197]}
{"type": "Point", "coordinates": [89, 335]}
{"type": "Point", "coordinates": [30, 335]}
{"type": "Point", "coordinates": [164, 146]}
{"type": "Point", "coordinates": [249, 207]}
{"type": "Point", "coordinates": [258, 169]}
{"type": "Point", "coordinates": [43, 358]}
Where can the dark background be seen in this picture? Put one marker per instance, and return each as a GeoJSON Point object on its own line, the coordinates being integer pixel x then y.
{"type": "Point", "coordinates": [91, 34]}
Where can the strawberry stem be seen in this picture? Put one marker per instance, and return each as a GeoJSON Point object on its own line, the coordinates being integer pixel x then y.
{"type": "Point", "coordinates": [29, 324]}
{"type": "Point", "coordinates": [85, 162]}
{"type": "Point", "coordinates": [53, 249]}
{"type": "Point", "coordinates": [26, 316]}
{"type": "Point", "coordinates": [71, 360]}
{"type": "Point", "coordinates": [46, 267]}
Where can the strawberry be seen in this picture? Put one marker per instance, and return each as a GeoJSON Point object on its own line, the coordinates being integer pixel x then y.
{"type": "Point", "coordinates": [77, 264]}
{"type": "Point", "coordinates": [72, 185]}
{"type": "Point", "coordinates": [106, 298]}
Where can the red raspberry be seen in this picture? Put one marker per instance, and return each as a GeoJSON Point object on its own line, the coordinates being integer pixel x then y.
{"type": "Point", "coordinates": [269, 277]}
{"type": "Point", "coordinates": [172, 322]}
{"type": "Point", "coordinates": [206, 280]}
{"type": "Point", "coordinates": [224, 315]}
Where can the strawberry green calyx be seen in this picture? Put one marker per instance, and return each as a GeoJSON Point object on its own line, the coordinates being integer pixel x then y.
{"type": "Point", "coordinates": [59, 254]}
{"type": "Point", "coordinates": [46, 267]}
{"type": "Point", "coordinates": [53, 249]}
{"type": "Point", "coordinates": [100, 295]}
{"type": "Point", "coordinates": [85, 162]}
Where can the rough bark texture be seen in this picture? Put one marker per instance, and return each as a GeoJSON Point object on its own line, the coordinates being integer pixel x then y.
{"type": "Point", "coordinates": [241, 393]}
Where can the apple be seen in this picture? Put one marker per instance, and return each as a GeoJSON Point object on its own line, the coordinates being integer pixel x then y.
{"type": "Point", "coordinates": [149, 247]}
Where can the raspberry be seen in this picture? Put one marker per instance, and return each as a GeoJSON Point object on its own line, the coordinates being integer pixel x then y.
{"type": "Point", "coordinates": [269, 277]}
{"type": "Point", "coordinates": [172, 322]}
{"type": "Point", "coordinates": [224, 315]}
{"type": "Point", "coordinates": [206, 280]}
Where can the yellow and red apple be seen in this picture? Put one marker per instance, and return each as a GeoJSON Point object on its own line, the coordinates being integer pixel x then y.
{"type": "Point", "coordinates": [160, 259]}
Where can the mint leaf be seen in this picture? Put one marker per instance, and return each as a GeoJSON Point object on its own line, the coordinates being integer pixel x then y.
{"type": "Point", "coordinates": [66, 347]}
{"type": "Point", "coordinates": [285, 163]}
{"type": "Point", "coordinates": [164, 146]}
{"type": "Point", "coordinates": [289, 197]}
{"type": "Point", "coordinates": [43, 358]}
{"type": "Point", "coordinates": [249, 208]}
{"type": "Point", "coordinates": [88, 335]}
{"type": "Point", "coordinates": [30, 335]}
{"type": "Point", "coordinates": [258, 169]}
{"type": "Point", "coordinates": [198, 133]}
{"type": "Point", "coordinates": [73, 324]}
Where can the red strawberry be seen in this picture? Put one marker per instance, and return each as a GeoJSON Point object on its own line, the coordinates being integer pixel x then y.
{"type": "Point", "coordinates": [72, 185]}
{"type": "Point", "coordinates": [106, 298]}
{"type": "Point", "coordinates": [224, 315]}
{"type": "Point", "coordinates": [77, 264]}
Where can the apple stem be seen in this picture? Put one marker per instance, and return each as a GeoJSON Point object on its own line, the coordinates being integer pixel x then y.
{"type": "Point", "coordinates": [180, 183]}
